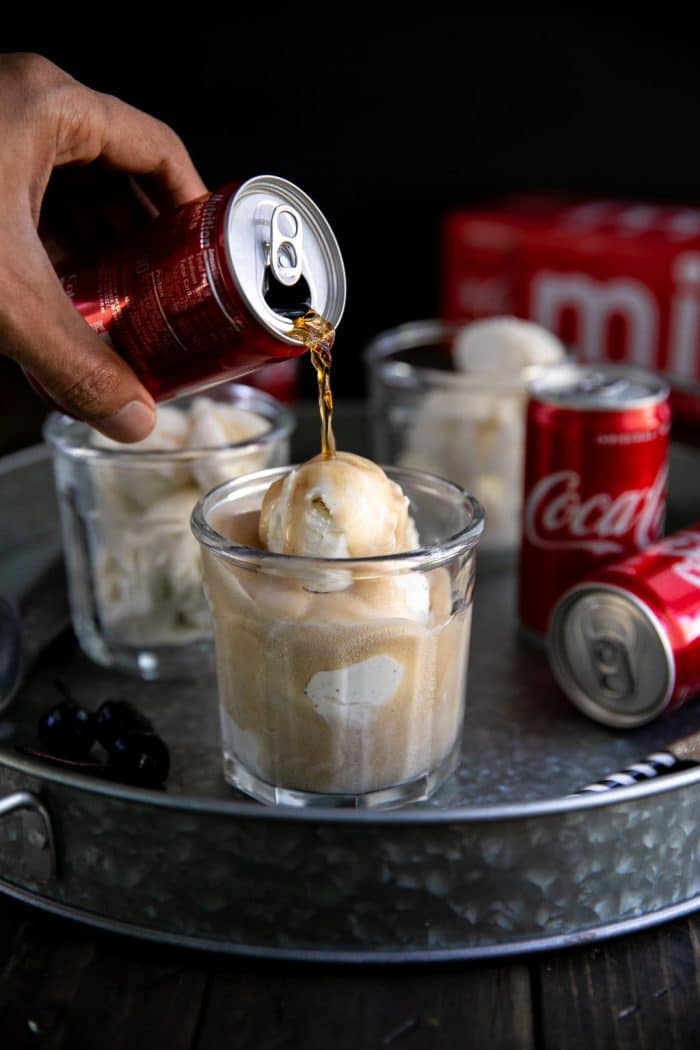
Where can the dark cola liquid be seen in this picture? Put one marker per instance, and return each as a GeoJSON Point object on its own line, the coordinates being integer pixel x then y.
{"type": "Point", "coordinates": [318, 336]}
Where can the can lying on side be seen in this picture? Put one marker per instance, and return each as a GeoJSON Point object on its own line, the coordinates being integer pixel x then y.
{"type": "Point", "coordinates": [624, 645]}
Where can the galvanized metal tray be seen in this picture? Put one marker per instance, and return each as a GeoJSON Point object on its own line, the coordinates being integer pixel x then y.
{"type": "Point", "coordinates": [500, 861]}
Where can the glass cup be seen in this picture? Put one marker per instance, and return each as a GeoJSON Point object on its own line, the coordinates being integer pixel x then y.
{"type": "Point", "coordinates": [134, 569]}
{"type": "Point", "coordinates": [465, 426]}
{"type": "Point", "coordinates": [341, 681]}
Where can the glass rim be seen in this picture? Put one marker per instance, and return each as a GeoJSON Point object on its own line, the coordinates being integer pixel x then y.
{"type": "Point", "coordinates": [58, 427]}
{"type": "Point", "coordinates": [464, 540]}
{"type": "Point", "coordinates": [380, 354]}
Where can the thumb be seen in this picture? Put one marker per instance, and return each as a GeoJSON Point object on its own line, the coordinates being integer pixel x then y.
{"type": "Point", "coordinates": [43, 332]}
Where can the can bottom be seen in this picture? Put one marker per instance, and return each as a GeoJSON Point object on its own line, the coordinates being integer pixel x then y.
{"type": "Point", "coordinates": [609, 653]}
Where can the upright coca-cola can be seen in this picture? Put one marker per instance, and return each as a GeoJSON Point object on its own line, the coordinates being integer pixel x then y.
{"type": "Point", "coordinates": [624, 644]}
{"type": "Point", "coordinates": [209, 292]}
{"type": "Point", "coordinates": [596, 452]}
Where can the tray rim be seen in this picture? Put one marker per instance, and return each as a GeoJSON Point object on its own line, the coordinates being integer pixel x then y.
{"type": "Point", "coordinates": [24, 457]}
{"type": "Point", "coordinates": [408, 815]}
{"type": "Point", "coordinates": [494, 950]}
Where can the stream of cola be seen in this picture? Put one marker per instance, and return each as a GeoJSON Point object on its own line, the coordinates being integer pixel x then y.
{"type": "Point", "coordinates": [318, 336]}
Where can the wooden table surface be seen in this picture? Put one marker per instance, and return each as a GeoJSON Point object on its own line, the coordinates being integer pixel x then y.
{"type": "Point", "coordinates": [65, 985]}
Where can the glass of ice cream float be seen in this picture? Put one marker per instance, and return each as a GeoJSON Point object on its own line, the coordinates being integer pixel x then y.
{"type": "Point", "coordinates": [134, 569]}
{"type": "Point", "coordinates": [341, 673]}
{"type": "Point", "coordinates": [450, 399]}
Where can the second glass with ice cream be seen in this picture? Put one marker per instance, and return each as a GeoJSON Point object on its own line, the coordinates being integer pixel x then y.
{"type": "Point", "coordinates": [450, 399]}
{"type": "Point", "coordinates": [341, 597]}
{"type": "Point", "coordinates": [134, 573]}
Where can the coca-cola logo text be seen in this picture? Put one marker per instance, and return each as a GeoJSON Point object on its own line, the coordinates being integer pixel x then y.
{"type": "Point", "coordinates": [557, 518]}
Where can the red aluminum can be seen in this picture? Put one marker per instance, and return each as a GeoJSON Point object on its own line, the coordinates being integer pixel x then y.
{"type": "Point", "coordinates": [624, 644]}
{"type": "Point", "coordinates": [596, 455]}
{"type": "Point", "coordinates": [208, 293]}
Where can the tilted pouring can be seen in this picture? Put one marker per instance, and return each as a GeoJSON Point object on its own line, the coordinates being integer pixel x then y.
{"type": "Point", "coordinates": [210, 291]}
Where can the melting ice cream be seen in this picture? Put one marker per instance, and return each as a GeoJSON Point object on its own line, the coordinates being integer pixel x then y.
{"type": "Point", "coordinates": [340, 507]}
{"type": "Point", "coordinates": [335, 679]}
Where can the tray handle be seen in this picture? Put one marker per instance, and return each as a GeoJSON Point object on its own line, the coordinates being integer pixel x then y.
{"type": "Point", "coordinates": [37, 833]}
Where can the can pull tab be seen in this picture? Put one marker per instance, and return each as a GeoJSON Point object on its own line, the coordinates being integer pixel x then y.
{"type": "Point", "coordinates": [612, 667]}
{"type": "Point", "coordinates": [286, 244]}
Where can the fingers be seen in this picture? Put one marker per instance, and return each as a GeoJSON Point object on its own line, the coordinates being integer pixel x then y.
{"type": "Point", "coordinates": [92, 125]}
{"type": "Point", "coordinates": [47, 120]}
{"type": "Point", "coordinates": [41, 330]}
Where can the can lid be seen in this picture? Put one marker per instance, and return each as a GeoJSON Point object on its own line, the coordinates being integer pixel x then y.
{"type": "Point", "coordinates": [275, 233]}
{"type": "Point", "coordinates": [609, 653]}
{"type": "Point", "coordinates": [602, 388]}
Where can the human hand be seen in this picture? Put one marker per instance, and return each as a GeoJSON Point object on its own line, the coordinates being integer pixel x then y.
{"type": "Point", "coordinates": [47, 121]}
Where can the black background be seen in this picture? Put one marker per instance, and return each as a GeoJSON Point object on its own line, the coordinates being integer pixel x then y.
{"type": "Point", "coordinates": [387, 120]}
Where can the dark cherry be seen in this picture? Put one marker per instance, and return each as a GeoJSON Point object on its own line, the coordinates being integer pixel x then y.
{"type": "Point", "coordinates": [67, 730]}
{"type": "Point", "coordinates": [114, 718]}
{"type": "Point", "coordinates": [139, 758]}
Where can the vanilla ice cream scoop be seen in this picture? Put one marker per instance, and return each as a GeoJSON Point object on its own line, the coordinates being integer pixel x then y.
{"type": "Point", "coordinates": [216, 423]}
{"type": "Point", "coordinates": [342, 507]}
{"type": "Point", "coordinates": [506, 345]}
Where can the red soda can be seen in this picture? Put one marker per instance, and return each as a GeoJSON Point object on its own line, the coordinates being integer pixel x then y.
{"type": "Point", "coordinates": [624, 644]}
{"type": "Point", "coordinates": [596, 457]}
{"type": "Point", "coordinates": [209, 292]}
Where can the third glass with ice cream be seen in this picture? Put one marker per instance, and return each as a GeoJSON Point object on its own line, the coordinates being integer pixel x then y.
{"type": "Point", "coordinates": [341, 676]}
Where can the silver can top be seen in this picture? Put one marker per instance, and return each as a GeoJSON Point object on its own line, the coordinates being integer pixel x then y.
{"type": "Point", "coordinates": [610, 655]}
{"type": "Point", "coordinates": [601, 388]}
{"type": "Point", "coordinates": [277, 239]}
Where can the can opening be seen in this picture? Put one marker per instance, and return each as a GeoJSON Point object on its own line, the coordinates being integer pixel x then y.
{"type": "Point", "coordinates": [288, 300]}
{"type": "Point", "coordinates": [610, 661]}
